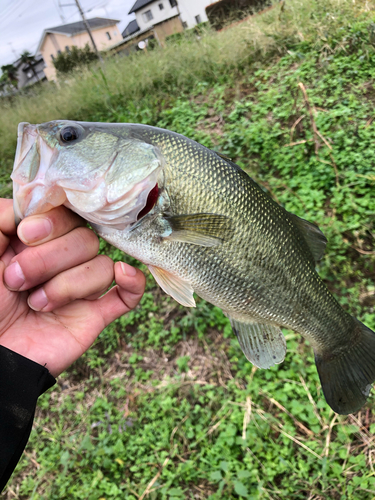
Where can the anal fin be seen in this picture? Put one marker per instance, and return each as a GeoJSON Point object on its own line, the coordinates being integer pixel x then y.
{"type": "Point", "coordinates": [263, 345]}
{"type": "Point", "coordinates": [180, 290]}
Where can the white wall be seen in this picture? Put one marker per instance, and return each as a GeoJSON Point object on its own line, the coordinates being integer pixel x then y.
{"type": "Point", "coordinates": [191, 8]}
{"type": "Point", "coordinates": [158, 15]}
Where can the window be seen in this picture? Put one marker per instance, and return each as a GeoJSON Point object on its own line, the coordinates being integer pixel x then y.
{"type": "Point", "coordinates": [59, 52]}
{"type": "Point", "coordinates": [198, 19]}
{"type": "Point", "coordinates": [161, 6]}
{"type": "Point", "coordinates": [147, 16]}
{"type": "Point", "coordinates": [108, 35]}
{"type": "Point", "coordinates": [173, 3]}
{"type": "Point", "coordinates": [52, 57]}
{"type": "Point", "coordinates": [67, 48]}
{"type": "Point", "coordinates": [184, 24]}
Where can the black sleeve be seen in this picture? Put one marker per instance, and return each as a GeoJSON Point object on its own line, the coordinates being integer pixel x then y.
{"type": "Point", "coordinates": [21, 383]}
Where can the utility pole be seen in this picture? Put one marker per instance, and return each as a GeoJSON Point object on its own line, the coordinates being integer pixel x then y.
{"type": "Point", "coordinates": [59, 8]}
{"type": "Point", "coordinates": [88, 30]}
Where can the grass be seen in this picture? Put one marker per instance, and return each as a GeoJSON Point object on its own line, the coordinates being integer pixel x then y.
{"type": "Point", "coordinates": [165, 406]}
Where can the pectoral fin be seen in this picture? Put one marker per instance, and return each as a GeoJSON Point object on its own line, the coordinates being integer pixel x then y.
{"type": "Point", "coordinates": [177, 288]}
{"type": "Point", "coordinates": [207, 230]}
{"type": "Point", "coordinates": [263, 345]}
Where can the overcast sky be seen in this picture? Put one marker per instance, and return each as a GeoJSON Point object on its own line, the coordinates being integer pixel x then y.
{"type": "Point", "coordinates": [22, 21]}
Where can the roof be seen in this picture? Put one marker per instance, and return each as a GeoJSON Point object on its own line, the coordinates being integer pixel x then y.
{"type": "Point", "coordinates": [18, 62]}
{"type": "Point", "coordinates": [78, 27]}
{"type": "Point", "coordinates": [131, 28]}
{"type": "Point", "coordinates": [139, 4]}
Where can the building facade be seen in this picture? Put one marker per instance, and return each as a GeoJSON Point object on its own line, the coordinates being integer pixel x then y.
{"type": "Point", "coordinates": [28, 74]}
{"type": "Point", "coordinates": [151, 12]}
{"type": "Point", "coordinates": [61, 38]}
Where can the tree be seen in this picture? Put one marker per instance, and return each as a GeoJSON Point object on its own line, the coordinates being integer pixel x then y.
{"type": "Point", "coordinates": [75, 57]}
{"type": "Point", "coordinates": [30, 60]}
{"type": "Point", "coordinates": [9, 74]}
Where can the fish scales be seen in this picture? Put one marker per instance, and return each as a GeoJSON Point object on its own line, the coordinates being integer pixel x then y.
{"type": "Point", "coordinates": [223, 189]}
{"type": "Point", "coordinates": [202, 225]}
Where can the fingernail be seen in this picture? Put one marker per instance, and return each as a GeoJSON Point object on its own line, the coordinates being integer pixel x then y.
{"type": "Point", "coordinates": [35, 229]}
{"type": "Point", "coordinates": [38, 300]}
{"type": "Point", "coordinates": [14, 277]}
{"type": "Point", "coordinates": [128, 270]}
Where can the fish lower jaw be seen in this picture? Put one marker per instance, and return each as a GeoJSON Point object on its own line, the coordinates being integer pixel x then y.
{"type": "Point", "coordinates": [37, 199]}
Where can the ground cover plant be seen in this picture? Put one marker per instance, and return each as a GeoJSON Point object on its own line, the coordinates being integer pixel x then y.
{"type": "Point", "coordinates": [165, 406]}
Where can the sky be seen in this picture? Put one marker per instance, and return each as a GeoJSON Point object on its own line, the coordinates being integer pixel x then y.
{"type": "Point", "coordinates": [22, 21]}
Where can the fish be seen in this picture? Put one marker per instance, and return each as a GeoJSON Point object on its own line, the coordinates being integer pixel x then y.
{"type": "Point", "coordinates": [202, 225]}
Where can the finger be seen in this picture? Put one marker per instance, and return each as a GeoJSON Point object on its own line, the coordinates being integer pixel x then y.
{"type": "Point", "coordinates": [17, 244]}
{"type": "Point", "coordinates": [7, 220]}
{"type": "Point", "coordinates": [36, 265]}
{"type": "Point", "coordinates": [4, 243]}
{"type": "Point", "coordinates": [124, 297]}
{"type": "Point", "coordinates": [38, 229]}
{"type": "Point", "coordinates": [7, 256]}
{"type": "Point", "coordinates": [83, 281]}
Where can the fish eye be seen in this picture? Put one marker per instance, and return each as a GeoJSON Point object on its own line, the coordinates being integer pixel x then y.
{"type": "Point", "coordinates": [69, 134]}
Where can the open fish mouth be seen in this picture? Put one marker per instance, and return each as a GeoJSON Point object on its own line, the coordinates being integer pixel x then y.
{"type": "Point", "coordinates": [39, 184]}
{"type": "Point", "coordinates": [33, 158]}
{"type": "Point", "coordinates": [26, 142]}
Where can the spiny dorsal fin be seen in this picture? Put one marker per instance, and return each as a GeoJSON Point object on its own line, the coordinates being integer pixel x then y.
{"type": "Point", "coordinates": [180, 290]}
{"type": "Point", "coordinates": [224, 157]}
{"type": "Point", "coordinates": [263, 345]}
{"type": "Point", "coordinates": [207, 230]}
{"type": "Point", "coordinates": [315, 239]}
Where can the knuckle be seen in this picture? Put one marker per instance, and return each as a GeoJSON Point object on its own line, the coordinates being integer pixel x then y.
{"type": "Point", "coordinates": [60, 290]}
{"type": "Point", "coordinates": [106, 265]}
{"type": "Point", "coordinates": [35, 262]}
{"type": "Point", "coordinates": [86, 239]}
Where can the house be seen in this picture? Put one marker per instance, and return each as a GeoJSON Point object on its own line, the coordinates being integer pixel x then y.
{"type": "Point", "coordinates": [29, 73]}
{"type": "Point", "coordinates": [151, 12]}
{"type": "Point", "coordinates": [157, 19]}
{"type": "Point", "coordinates": [130, 29]}
{"type": "Point", "coordinates": [55, 40]}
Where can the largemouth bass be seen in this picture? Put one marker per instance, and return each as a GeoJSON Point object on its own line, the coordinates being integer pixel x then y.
{"type": "Point", "coordinates": [201, 225]}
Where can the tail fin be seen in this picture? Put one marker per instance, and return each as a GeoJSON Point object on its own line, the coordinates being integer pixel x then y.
{"type": "Point", "coordinates": [346, 377]}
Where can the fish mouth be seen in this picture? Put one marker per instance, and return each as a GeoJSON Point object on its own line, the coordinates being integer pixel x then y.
{"type": "Point", "coordinates": [24, 144]}
{"type": "Point", "coordinates": [33, 157]}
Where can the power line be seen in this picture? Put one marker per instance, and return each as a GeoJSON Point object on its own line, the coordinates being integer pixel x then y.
{"type": "Point", "coordinates": [13, 8]}
{"type": "Point", "coordinates": [5, 17]}
{"type": "Point", "coordinates": [6, 12]}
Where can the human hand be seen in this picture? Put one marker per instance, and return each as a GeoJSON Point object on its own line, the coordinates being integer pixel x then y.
{"type": "Point", "coordinates": [51, 309]}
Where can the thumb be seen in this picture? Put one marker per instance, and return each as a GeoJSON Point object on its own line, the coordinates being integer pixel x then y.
{"type": "Point", "coordinates": [131, 283]}
{"type": "Point", "coordinates": [126, 295]}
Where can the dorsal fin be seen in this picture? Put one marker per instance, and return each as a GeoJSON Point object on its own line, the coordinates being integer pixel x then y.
{"type": "Point", "coordinates": [315, 239]}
